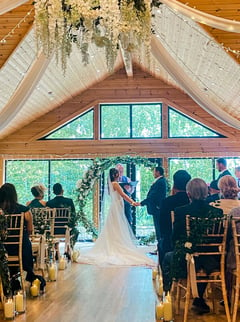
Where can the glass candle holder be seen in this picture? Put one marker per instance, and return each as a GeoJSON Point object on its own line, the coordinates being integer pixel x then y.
{"type": "Point", "coordinates": [9, 308]}
{"type": "Point", "coordinates": [20, 302]}
{"type": "Point", "coordinates": [52, 272]}
{"type": "Point", "coordinates": [159, 310]}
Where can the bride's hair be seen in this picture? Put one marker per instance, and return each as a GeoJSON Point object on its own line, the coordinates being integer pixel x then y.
{"type": "Point", "coordinates": [113, 173]}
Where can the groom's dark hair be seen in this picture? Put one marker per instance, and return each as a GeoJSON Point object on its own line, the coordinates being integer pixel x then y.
{"type": "Point", "coordinates": [160, 170]}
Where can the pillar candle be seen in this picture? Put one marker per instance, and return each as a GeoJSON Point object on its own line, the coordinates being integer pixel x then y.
{"type": "Point", "coordinates": [52, 273]}
{"type": "Point", "coordinates": [75, 255]}
{"type": "Point", "coordinates": [159, 310]}
{"type": "Point", "coordinates": [19, 302]}
{"type": "Point", "coordinates": [37, 282]}
{"type": "Point", "coordinates": [9, 309]}
{"type": "Point", "coordinates": [34, 290]}
{"type": "Point", "coordinates": [62, 263]}
{"type": "Point", "coordinates": [167, 311]}
{"type": "Point", "coordinates": [154, 273]}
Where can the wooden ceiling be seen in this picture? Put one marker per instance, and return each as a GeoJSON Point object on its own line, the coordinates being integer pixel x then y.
{"type": "Point", "coordinates": [220, 8]}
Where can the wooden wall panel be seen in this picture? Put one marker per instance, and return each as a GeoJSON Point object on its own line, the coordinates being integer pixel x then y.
{"type": "Point", "coordinates": [118, 88]}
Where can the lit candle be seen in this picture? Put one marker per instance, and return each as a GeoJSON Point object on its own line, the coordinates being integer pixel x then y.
{"type": "Point", "coordinates": [167, 311]}
{"type": "Point", "coordinates": [9, 309]}
{"type": "Point", "coordinates": [75, 255]}
{"type": "Point", "coordinates": [62, 263]}
{"type": "Point", "coordinates": [154, 273]}
{"type": "Point", "coordinates": [160, 286]}
{"type": "Point", "coordinates": [168, 297]}
{"type": "Point", "coordinates": [34, 290]}
{"type": "Point", "coordinates": [159, 310]}
{"type": "Point", "coordinates": [37, 282]}
{"type": "Point", "coordinates": [52, 273]}
{"type": "Point", "coordinates": [19, 303]}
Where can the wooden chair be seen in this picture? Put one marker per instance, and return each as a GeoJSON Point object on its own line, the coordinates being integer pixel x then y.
{"type": "Point", "coordinates": [13, 242]}
{"type": "Point", "coordinates": [236, 272]}
{"type": "Point", "coordinates": [61, 228]}
{"type": "Point", "coordinates": [213, 243]}
{"type": "Point", "coordinates": [43, 223]}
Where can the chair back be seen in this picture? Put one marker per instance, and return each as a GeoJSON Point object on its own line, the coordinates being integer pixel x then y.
{"type": "Point", "coordinates": [208, 235]}
{"type": "Point", "coordinates": [13, 241]}
{"type": "Point", "coordinates": [43, 220]}
{"type": "Point", "coordinates": [61, 221]}
{"type": "Point", "coordinates": [236, 242]}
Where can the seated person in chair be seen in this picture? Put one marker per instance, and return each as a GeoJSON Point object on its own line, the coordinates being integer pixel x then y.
{"type": "Point", "coordinates": [38, 193]}
{"type": "Point", "coordinates": [197, 191]}
{"type": "Point", "coordinates": [9, 205]}
{"type": "Point", "coordinates": [60, 202]}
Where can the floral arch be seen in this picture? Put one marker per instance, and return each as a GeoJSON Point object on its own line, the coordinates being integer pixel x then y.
{"type": "Point", "coordinates": [94, 172]}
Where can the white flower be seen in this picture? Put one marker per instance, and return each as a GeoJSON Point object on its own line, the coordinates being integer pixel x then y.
{"type": "Point", "coordinates": [79, 183]}
{"type": "Point", "coordinates": [188, 245]}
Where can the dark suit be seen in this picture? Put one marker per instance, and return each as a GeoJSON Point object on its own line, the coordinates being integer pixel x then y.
{"type": "Point", "coordinates": [224, 173]}
{"type": "Point", "coordinates": [156, 194]}
{"type": "Point", "coordinates": [165, 222]}
{"type": "Point", "coordinates": [61, 202]}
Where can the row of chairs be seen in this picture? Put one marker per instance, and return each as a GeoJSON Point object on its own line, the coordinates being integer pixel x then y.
{"type": "Point", "coordinates": [52, 221]}
{"type": "Point", "coordinates": [213, 243]}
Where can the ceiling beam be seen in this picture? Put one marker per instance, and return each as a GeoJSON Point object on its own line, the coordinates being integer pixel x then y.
{"type": "Point", "coordinates": [127, 60]}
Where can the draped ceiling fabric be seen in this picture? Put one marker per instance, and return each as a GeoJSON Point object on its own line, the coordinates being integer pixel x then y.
{"type": "Point", "coordinates": [204, 18]}
{"type": "Point", "coordinates": [7, 5]}
{"type": "Point", "coordinates": [185, 56]}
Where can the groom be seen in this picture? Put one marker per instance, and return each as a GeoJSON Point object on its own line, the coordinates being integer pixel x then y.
{"type": "Point", "coordinates": [155, 196]}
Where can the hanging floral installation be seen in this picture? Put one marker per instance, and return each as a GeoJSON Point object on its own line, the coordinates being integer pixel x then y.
{"type": "Point", "coordinates": [94, 172]}
{"type": "Point", "coordinates": [106, 23]}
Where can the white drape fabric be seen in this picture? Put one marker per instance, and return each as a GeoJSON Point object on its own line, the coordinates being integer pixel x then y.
{"type": "Point", "coordinates": [204, 18]}
{"type": "Point", "coordinates": [24, 90]}
{"type": "Point", "coordinates": [190, 87]}
{"type": "Point", "coordinates": [115, 245]}
{"type": "Point", "coordinates": [7, 5]}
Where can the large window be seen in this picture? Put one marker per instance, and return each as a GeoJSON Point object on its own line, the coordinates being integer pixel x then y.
{"type": "Point", "coordinates": [130, 121]}
{"type": "Point", "coordinates": [80, 128]}
{"type": "Point", "coordinates": [197, 167]}
{"type": "Point", "coordinates": [182, 126]}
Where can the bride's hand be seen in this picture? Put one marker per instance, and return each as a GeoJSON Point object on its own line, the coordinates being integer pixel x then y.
{"type": "Point", "coordinates": [136, 204]}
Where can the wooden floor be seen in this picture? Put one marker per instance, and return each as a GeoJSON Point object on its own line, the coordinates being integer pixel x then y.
{"type": "Point", "coordinates": [88, 293]}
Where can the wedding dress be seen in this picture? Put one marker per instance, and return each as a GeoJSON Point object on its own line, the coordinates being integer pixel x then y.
{"type": "Point", "coordinates": [116, 242]}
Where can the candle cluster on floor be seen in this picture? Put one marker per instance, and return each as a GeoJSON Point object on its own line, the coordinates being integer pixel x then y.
{"type": "Point", "coordinates": [164, 311]}
{"type": "Point", "coordinates": [14, 305]}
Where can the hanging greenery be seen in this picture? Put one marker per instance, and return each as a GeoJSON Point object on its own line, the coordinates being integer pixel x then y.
{"type": "Point", "coordinates": [85, 185]}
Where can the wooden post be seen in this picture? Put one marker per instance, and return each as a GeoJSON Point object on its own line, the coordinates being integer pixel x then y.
{"type": "Point", "coordinates": [2, 174]}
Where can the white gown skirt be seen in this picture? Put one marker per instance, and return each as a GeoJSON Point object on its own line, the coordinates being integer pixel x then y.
{"type": "Point", "coordinates": [116, 244]}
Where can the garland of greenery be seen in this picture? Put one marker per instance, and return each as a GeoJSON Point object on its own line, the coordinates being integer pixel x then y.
{"type": "Point", "coordinates": [189, 244]}
{"type": "Point", "coordinates": [93, 174]}
{"type": "Point", "coordinates": [4, 270]}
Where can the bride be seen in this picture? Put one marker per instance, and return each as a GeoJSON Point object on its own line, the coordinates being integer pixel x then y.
{"type": "Point", "coordinates": [116, 242]}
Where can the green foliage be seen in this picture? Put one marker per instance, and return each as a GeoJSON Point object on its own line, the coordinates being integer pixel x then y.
{"type": "Point", "coordinates": [80, 128]}
{"type": "Point", "coordinates": [146, 240]}
{"type": "Point", "coordinates": [182, 126]}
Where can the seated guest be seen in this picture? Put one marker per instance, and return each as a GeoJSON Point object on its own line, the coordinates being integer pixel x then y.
{"type": "Point", "coordinates": [178, 198]}
{"type": "Point", "coordinates": [237, 174]}
{"type": "Point", "coordinates": [9, 205]}
{"type": "Point", "coordinates": [214, 192]}
{"type": "Point", "coordinates": [38, 193]}
{"type": "Point", "coordinates": [59, 201]}
{"type": "Point", "coordinates": [229, 194]}
{"type": "Point", "coordinates": [197, 191]}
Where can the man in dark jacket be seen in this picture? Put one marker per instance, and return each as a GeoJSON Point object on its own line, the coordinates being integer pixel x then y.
{"type": "Point", "coordinates": [178, 198]}
{"type": "Point", "coordinates": [59, 201]}
{"type": "Point", "coordinates": [156, 194]}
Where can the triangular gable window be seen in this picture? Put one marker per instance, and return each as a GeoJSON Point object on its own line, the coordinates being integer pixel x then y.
{"type": "Point", "coordinates": [181, 126]}
{"type": "Point", "coordinates": [79, 128]}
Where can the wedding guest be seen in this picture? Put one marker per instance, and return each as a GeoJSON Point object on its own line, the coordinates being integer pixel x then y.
{"type": "Point", "coordinates": [229, 194]}
{"type": "Point", "coordinates": [60, 201]}
{"type": "Point", "coordinates": [38, 193]}
{"type": "Point", "coordinates": [214, 192]}
{"type": "Point", "coordinates": [197, 191]}
{"type": "Point", "coordinates": [178, 198]}
{"type": "Point", "coordinates": [237, 174]}
{"type": "Point", "coordinates": [221, 165]}
{"type": "Point", "coordinates": [155, 196]}
{"type": "Point", "coordinates": [9, 205]}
